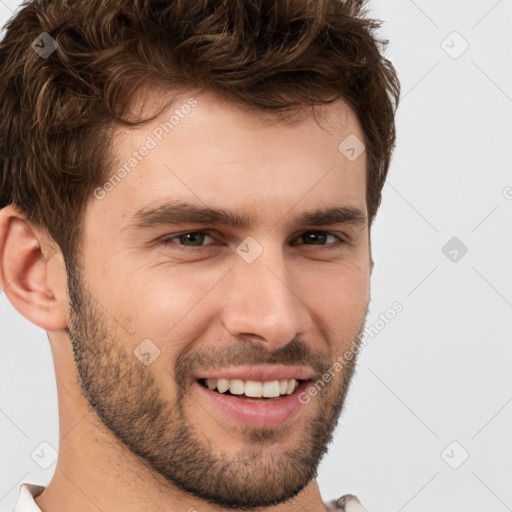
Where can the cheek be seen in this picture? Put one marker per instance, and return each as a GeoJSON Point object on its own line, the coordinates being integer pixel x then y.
{"type": "Point", "coordinates": [168, 303]}
{"type": "Point", "coordinates": [338, 296]}
{"type": "Point", "coordinates": [340, 284]}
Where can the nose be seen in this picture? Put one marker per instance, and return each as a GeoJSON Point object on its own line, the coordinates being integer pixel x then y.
{"type": "Point", "coordinates": [263, 303]}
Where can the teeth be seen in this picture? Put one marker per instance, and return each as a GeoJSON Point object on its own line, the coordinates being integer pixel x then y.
{"type": "Point", "coordinates": [271, 389]}
{"type": "Point", "coordinates": [253, 388]}
{"type": "Point", "coordinates": [291, 387]}
{"type": "Point", "coordinates": [236, 386]}
{"type": "Point", "coordinates": [222, 385]}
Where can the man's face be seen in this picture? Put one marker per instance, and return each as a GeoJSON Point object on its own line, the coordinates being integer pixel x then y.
{"type": "Point", "coordinates": [167, 299]}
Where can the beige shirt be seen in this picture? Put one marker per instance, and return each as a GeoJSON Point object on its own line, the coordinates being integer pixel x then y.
{"type": "Point", "coordinates": [28, 492]}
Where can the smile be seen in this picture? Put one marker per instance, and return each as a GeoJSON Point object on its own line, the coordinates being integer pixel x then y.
{"type": "Point", "coordinates": [253, 396]}
{"type": "Point", "coordinates": [252, 388]}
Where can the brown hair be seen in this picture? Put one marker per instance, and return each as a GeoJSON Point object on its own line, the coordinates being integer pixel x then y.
{"type": "Point", "coordinates": [57, 111]}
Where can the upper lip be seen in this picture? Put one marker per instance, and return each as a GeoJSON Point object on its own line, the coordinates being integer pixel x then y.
{"type": "Point", "coordinates": [263, 373]}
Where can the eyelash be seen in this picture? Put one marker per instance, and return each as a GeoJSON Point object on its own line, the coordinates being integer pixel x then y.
{"type": "Point", "coordinates": [167, 241]}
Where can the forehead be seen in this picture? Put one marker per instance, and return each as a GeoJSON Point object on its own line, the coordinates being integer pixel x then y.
{"type": "Point", "coordinates": [212, 116]}
{"type": "Point", "coordinates": [207, 150]}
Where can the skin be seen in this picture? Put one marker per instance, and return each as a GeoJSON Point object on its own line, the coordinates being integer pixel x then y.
{"type": "Point", "coordinates": [204, 307]}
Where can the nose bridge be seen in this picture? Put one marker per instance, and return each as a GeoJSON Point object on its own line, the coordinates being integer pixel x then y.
{"type": "Point", "coordinates": [262, 301]}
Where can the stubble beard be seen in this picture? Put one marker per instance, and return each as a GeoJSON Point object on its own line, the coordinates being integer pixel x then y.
{"type": "Point", "coordinates": [126, 397]}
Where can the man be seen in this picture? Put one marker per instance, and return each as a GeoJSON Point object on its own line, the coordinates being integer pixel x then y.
{"type": "Point", "coordinates": [187, 190]}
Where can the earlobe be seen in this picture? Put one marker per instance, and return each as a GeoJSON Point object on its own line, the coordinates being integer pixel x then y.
{"type": "Point", "coordinates": [28, 268]}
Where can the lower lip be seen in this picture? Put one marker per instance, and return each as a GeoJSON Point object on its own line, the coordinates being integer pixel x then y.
{"type": "Point", "coordinates": [254, 414]}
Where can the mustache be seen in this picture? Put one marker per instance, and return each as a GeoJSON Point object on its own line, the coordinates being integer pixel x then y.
{"type": "Point", "coordinates": [244, 352]}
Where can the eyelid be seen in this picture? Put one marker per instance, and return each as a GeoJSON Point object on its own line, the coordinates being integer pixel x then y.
{"type": "Point", "coordinates": [166, 240]}
{"type": "Point", "coordinates": [340, 239]}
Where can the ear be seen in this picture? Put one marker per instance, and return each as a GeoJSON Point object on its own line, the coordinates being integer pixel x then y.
{"type": "Point", "coordinates": [32, 273]}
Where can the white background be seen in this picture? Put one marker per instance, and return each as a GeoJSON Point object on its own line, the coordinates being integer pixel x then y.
{"type": "Point", "coordinates": [439, 372]}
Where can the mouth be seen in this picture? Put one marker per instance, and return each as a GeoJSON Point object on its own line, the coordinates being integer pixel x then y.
{"type": "Point", "coordinates": [252, 390]}
{"type": "Point", "coordinates": [269, 399]}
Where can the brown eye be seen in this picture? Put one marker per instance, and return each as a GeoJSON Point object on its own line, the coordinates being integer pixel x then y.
{"type": "Point", "coordinates": [321, 238]}
{"type": "Point", "coordinates": [189, 239]}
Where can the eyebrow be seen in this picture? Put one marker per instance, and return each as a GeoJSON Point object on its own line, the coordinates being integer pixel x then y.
{"type": "Point", "coordinates": [185, 213]}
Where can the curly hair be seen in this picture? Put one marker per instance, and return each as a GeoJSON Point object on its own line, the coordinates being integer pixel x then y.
{"type": "Point", "coordinates": [59, 111]}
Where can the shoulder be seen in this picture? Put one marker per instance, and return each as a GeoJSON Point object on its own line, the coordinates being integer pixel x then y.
{"type": "Point", "coordinates": [347, 503]}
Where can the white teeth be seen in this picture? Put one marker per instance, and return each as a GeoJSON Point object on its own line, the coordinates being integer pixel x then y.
{"type": "Point", "coordinates": [222, 385]}
{"type": "Point", "coordinates": [253, 388]}
{"type": "Point", "coordinates": [271, 389]}
{"type": "Point", "coordinates": [291, 387]}
{"type": "Point", "coordinates": [236, 386]}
